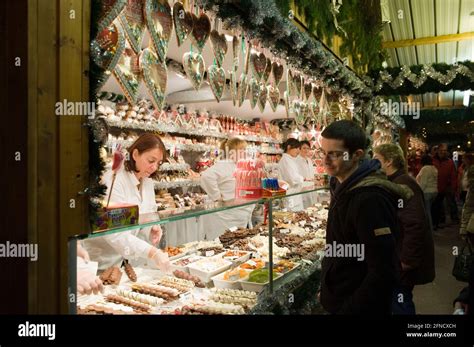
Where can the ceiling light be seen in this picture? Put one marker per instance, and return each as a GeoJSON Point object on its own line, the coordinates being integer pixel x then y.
{"type": "Point", "coordinates": [459, 146]}
{"type": "Point", "coordinates": [447, 122]}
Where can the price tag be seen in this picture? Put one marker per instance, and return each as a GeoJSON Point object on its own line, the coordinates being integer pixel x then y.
{"type": "Point", "coordinates": [315, 225]}
{"type": "Point", "coordinates": [302, 223]}
{"type": "Point", "coordinates": [186, 296]}
{"type": "Point", "coordinates": [210, 253]}
{"type": "Point", "coordinates": [285, 231]}
{"type": "Point", "coordinates": [233, 229]}
{"type": "Point", "coordinates": [307, 229]}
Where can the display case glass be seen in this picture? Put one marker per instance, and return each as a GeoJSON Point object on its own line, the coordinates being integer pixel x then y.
{"type": "Point", "coordinates": [227, 273]}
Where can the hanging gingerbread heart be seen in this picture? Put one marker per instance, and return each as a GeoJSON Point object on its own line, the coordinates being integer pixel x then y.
{"type": "Point", "coordinates": [183, 22]}
{"type": "Point", "coordinates": [159, 24]}
{"type": "Point", "coordinates": [127, 74]}
{"type": "Point", "coordinates": [194, 67]}
{"type": "Point", "coordinates": [314, 109]}
{"type": "Point", "coordinates": [242, 89]}
{"type": "Point", "coordinates": [297, 107]}
{"type": "Point", "coordinates": [236, 52]}
{"type": "Point", "coordinates": [297, 85]}
{"type": "Point", "coordinates": [258, 62]}
{"type": "Point", "coordinates": [108, 11]}
{"type": "Point", "coordinates": [316, 92]}
{"type": "Point", "coordinates": [219, 46]}
{"type": "Point", "coordinates": [254, 92]}
{"type": "Point", "coordinates": [308, 89]}
{"type": "Point", "coordinates": [155, 75]}
{"type": "Point", "coordinates": [289, 82]}
{"type": "Point", "coordinates": [108, 46]}
{"type": "Point", "coordinates": [262, 97]}
{"type": "Point", "coordinates": [233, 86]}
{"type": "Point", "coordinates": [216, 80]}
{"type": "Point", "coordinates": [273, 97]}
{"type": "Point", "coordinates": [134, 23]}
{"type": "Point", "coordinates": [268, 70]}
{"type": "Point", "coordinates": [201, 30]}
{"type": "Point", "coordinates": [286, 97]}
{"type": "Point", "coordinates": [277, 71]}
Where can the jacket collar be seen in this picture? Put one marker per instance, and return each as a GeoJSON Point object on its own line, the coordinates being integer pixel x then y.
{"type": "Point", "coordinates": [396, 175]}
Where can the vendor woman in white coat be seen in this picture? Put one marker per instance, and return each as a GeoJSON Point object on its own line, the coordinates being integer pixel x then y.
{"type": "Point", "coordinates": [289, 171]}
{"type": "Point", "coordinates": [133, 185]}
{"type": "Point", "coordinates": [219, 183]}
{"type": "Point", "coordinates": [306, 168]}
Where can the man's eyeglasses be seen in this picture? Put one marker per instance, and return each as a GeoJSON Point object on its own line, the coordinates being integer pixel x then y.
{"type": "Point", "coordinates": [332, 155]}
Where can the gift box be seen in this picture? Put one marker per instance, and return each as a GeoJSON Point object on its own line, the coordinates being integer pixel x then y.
{"type": "Point", "coordinates": [115, 216]}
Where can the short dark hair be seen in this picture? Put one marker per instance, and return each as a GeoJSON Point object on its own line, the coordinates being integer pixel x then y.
{"type": "Point", "coordinates": [349, 132]}
{"type": "Point", "coordinates": [144, 143]}
{"type": "Point", "coordinates": [291, 142]}
{"type": "Point", "coordinates": [305, 142]}
{"type": "Point", "coordinates": [426, 160]}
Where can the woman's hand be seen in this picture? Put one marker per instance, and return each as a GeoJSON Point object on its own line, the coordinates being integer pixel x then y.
{"type": "Point", "coordinates": [155, 234]}
{"type": "Point", "coordinates": [162, 261]}
{"type": "Point", "coordinates": [81, 252]}
{"type": "Point", "coordinates": [87, 283]}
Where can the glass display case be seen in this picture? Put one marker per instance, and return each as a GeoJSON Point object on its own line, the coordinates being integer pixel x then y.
{"type": "Point", "coordinates": [211, 271]}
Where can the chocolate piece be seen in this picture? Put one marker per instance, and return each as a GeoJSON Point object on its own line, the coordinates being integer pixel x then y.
{"type": "Point", "coordinates": [130, 272]}
{"type": "Point", "coordinates": [137, 306]}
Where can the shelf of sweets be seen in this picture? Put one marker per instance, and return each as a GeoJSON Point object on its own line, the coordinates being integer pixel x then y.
{"type": "Point", "coordinates": [143, 117]}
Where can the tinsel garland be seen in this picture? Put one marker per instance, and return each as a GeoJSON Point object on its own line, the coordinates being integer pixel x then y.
{"type": "Point", "coordinates": [262, 20]}
{"type": "Point", "coordinates": [420, 79]}
{"type": "Point", "coordinates": [296, 295]}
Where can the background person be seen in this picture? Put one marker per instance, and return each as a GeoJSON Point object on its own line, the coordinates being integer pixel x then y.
{"type": "Point", "coordinates": [415, 245]}
{"type": "Point", "coordinates": [288, 171]}
{"type": "Point", "coordinates": [428, 180]}
{"type": "Point", "coordinates": [306, 168]}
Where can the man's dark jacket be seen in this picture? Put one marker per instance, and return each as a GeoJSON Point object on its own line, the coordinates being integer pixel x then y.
{"type": "Point", "coordinates": [363, 210]}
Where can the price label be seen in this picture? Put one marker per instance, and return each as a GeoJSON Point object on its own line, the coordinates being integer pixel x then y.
{"type": "Point", "coordinates": [210, 253]}
{"type": "Point", "coordinates": [302, 223]}
{"type": "Point", "coordinates": [233, 229]}
{"type": "Point", "coordinates": [285, 231]}
{"type": "Point", "coordinates": [252, 263]}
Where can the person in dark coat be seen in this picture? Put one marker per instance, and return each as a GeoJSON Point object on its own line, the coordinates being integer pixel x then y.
{"type": "Point", "coordinates": [415, 246]}
{"type": "Point", "coordinates": [362, 216]}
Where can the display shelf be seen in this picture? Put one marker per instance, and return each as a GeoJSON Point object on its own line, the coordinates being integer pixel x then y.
{"type": "Point", "coordinates": [174, 167]}
{"type": "Point", "coordinates": [168, 128]}
{"type": "Point", "coordinates": [177, 184]}
{"type": "Point", "coordinates": [149, 219]}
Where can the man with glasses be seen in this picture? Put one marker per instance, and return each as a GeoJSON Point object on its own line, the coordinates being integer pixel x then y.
{"type": "Point", "coordinates": [362, 214]}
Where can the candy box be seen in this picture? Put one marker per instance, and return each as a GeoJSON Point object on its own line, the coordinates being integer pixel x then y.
{"type": "Point", "coordinates": [115, 216]}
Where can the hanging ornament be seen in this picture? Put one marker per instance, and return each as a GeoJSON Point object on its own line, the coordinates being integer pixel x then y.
{"type": "Point", "coordinates": [286, 98]}
{"type": "Point", "coordinates": [242, 89]}
{"type": "Point", "coordinates": [262, 97]}
{"type": "Point", "coordinates": [201, 30]}
{"type": "Point", "coordinates": [155, 75]}
{"type": "Point", "coordinates": [308, 90]}
{"type": "Point", "coordinates": [235, 51]}
{"type": "Point", "coordinates": [273, 96]}
{"type": "Point", "coordinates": [183, 22]}
{"type": "Point", "coordinates": [268, 70]}
{"type": "Point", "coordinates": [134, 23]}
{"type": "Point", "coordinates": [258, 63]}
{"type": "Point", "coordinates": [254, 92]}
{"type": "Point", "coordinates": [216, 81]}
{"type": "Point", "coordinates": [127, 74]}
{"type": "Point", "coordinates": [277, 71]}
{"type": "Point", "coordinates": [107, 48]}
{"type": "Point", "coordinates": [108, 12]}
{"type": "Point", "coordinates": [233, 86]}
{"type": "Point", "coordinates": [194, 66]}
{"type": "Point", "coordinates": [159, 24]}
{"type": "Point", "coordinates": [219, 46]}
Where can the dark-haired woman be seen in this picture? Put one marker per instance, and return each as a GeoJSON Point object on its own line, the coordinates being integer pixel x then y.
{"type": "Point", "coordinates": [133, 185]}
{"type": "Point", "coordinates": [427, 178]}
{"type": "Point", "coordinates": [289, 171]}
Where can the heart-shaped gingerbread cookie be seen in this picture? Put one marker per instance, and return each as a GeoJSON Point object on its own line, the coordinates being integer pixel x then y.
{"type": "Point", "coordinates": [233, 86]}
{"type": "Point", "coordinates": [159, 24]}
{"type": "Point", "coordinates": [127, 74]}
{"type": "Point", "coordinates": [219, 46]}
{"type": "Point", "coordinates": [273, 96]}
{"type": "Point", "coordinates": [242, 89]}
{"type": "Point", "coordinates": [133, 23]}
{"type": "Point", "coordinates": [217, 81]}
{"type": "Point", "coordinates": [258, 62]}
{"type": "Point", "coordinates": [262, 97]}
{"type": "Point", "coordinates": [277, 71]}
{"type": "Point", "coordinates": [201, 30]}
{"type": "Point", "coordinates": [193, 65]}
{"type": "Point", "coordinates": [183, 22]}
{"type": "Point", "coordinates": [108, 11]}
{"type": "Point", "coordinates": [254, 92]}
{"type": "Point", "coordinates": [155, 75]}
{"type": "Point", "coordinates": [268, 71]}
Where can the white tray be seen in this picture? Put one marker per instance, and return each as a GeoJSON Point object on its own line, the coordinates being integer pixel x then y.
{"type": "Point", "coordinates": [220, 282]}
{"type": "Point", "coordinates": [206, 276]}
